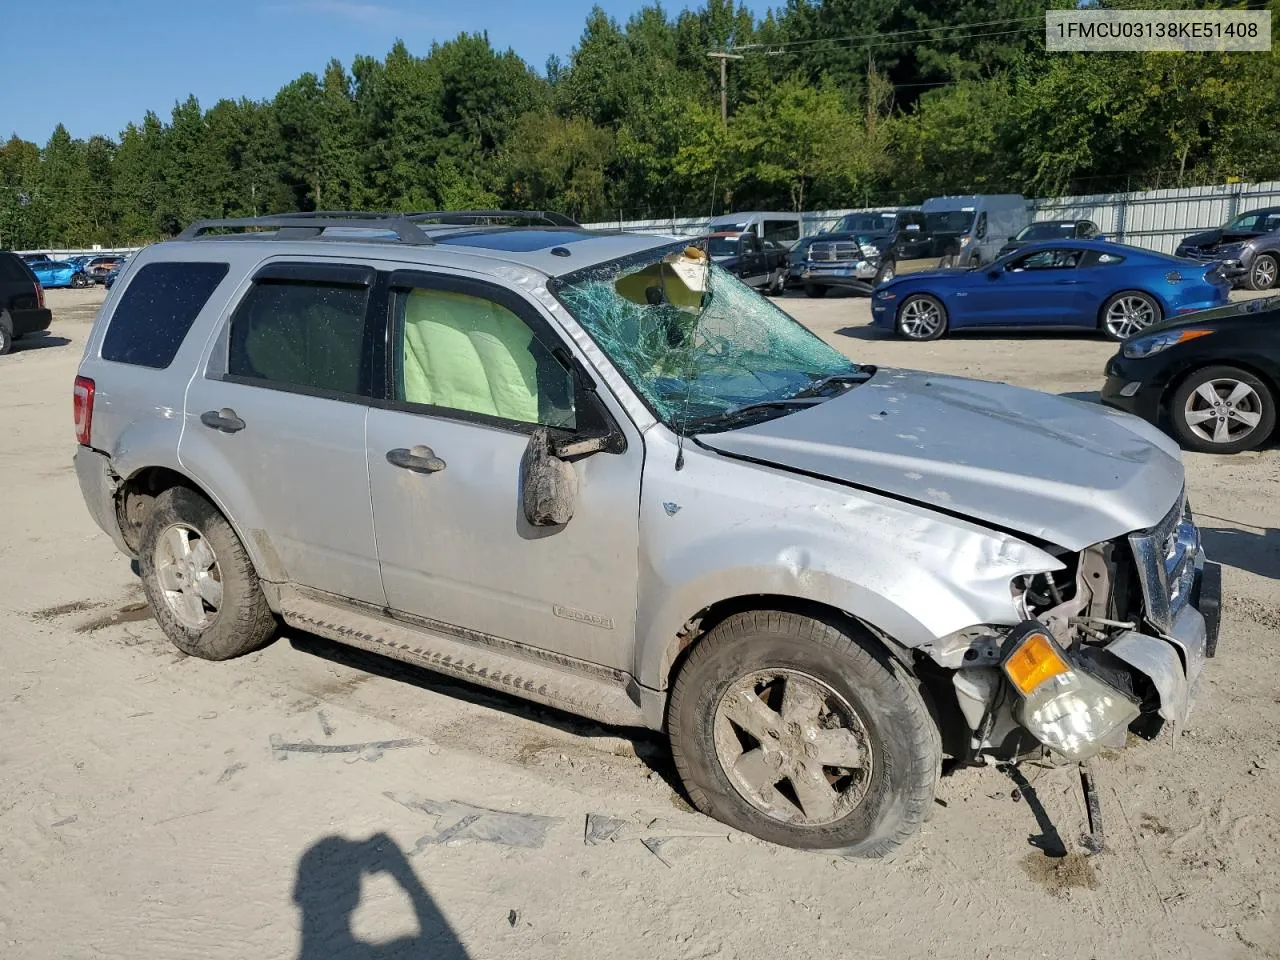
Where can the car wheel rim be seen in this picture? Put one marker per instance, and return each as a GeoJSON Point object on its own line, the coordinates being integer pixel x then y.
{"type": "Point", "coordinates": [1128, 315]}
{"type": "Point", "coordinates": [1264, 272]}
{"type": "Point", "coordinates": [792, 747]}
{"type": "Point", "coordinates": [189, 576]}
{"type": "Point", "coordinates": [921, 319]}
{"type": "Point", "coordinates": [1223, 411]}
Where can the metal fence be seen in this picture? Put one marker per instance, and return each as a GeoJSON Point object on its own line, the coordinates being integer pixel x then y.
{"type": "Point", "coordinates": [1155, 219]}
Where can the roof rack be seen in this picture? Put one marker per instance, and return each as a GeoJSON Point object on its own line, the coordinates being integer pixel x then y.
{"type": "Point", "coordinates": [451, 217]}
{"type": "Point", "coordinates": [308, 226]}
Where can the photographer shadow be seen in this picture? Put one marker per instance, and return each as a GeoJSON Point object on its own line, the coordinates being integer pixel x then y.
{"type": "Point", "coordinates": [327, 891]}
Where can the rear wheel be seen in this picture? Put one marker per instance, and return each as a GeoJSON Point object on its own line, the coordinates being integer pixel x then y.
{"type": "Point", "coordinates": [200, 581]}
{"type": "Point", "coordinates": [922, 317]}
{"type": "Point", "coordinates": [1264, 272]}
{"type": "Point", "coordinates": [802, 733]}
{"type": "Point", "coordinates": [6, 337]}
{"type": "Point", "coordinates": [79, 281]}
{"type": "Point", "coordinates": [1222, 409]}
{"type": "Point", "coordinates": [1128, 313]}
{"type": "Point", "coordinates": [813, 290]}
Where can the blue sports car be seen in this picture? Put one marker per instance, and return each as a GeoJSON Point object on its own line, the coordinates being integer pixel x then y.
{"type": "Point", "coordinates": [1089, 284]}
{"type": "Point", "coordinates": [58, 273]}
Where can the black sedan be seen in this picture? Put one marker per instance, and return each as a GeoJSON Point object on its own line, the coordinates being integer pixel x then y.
{"type": "Point", "coordinates": [1052, 230]}
{"type": "Point", "coordinates": [1212, 378]}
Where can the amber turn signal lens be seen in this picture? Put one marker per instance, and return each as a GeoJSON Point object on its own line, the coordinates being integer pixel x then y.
{"type": "Point", "coordinates": [1035, 660]}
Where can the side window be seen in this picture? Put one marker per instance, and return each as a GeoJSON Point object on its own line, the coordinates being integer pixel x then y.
{"type": "Point", "coordinates": [157, 310]}
{"type": "Point", "coordinates": [11, 268]}
{"type": "Point", "coordinates": [469, 354]}
{"type": "Point", "coordinates": [308, 335]}
{"type": "Point", "coordinates": [750, 243]}
{"type": "Point", "coordinates": [1272, 223]}
{"type": "Point", "coordinates": [980, 231]}
{"type": "Point", "coordinates": [1046, 260]}
{"type": "Point", "coordinates": [783, 232]}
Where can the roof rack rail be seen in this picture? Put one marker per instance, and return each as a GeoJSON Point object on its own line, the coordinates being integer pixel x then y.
{"type": "Point", "coordinates": [310, 226]}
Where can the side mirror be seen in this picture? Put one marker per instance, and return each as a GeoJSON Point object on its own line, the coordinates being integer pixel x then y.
{"type": "Point", "coordinates": [548, 485]}
{"type": "Point", "coordinates": [994, 274]}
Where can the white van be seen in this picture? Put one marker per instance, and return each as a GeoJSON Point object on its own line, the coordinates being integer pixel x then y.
{"type": "Point", "coordinates": [783, 229]}
{"type": "Point", "coordinates": [975, 226]}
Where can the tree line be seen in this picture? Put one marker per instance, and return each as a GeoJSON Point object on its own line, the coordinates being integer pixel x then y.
{"type": "Point", "coordinates": [833, 103]}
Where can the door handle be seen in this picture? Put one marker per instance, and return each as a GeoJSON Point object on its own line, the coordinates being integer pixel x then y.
{"type": "Point", "coordinates": [224, 420]}
{"type": "Point", "coordinates": [1064, 282]}
{"type": "Point", "coordinates": [419, 459]}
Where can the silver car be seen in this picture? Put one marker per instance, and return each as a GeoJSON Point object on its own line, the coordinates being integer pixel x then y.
{"type": "Point", "coordinates": [598, 472]}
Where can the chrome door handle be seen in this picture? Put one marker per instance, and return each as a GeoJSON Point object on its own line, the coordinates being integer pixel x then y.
{"type": "Point", "coordinates": [1066, 281]}
{"type": "Point", "coordinates": [224, 420]}
{"type": "Point", "coordinates": [419, 459]}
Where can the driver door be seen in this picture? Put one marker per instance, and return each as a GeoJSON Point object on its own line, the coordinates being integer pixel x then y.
{"type": "Point", "coordinates": [751, 260]}
{"type": "Point", "coordinates": [1038, 288]}
{"type": "Point", "coordinates": [475, 369]}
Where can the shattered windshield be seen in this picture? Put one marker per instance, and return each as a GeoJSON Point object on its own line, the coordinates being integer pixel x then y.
{"type": "Point", "coordinates": [695, 341]}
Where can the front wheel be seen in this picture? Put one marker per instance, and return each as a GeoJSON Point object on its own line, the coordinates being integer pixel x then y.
{"type": "Point", "coordinates": [813, 290]}
{"type": "Point", "coordinates": [1129, 313]}
{"type": "Point", "coordinates": [199, 579]}
{"type": "Point", "coordinates": [801, 732]}
{"type": "Point", "coordinates": [1222, 409]}
{"type": "Point", "coordinates": [79, 281]}
{"type": "Point", "coordinates": [922, 317]}
{"type": "Point", "coordinates": [6, 338]}
{"type": "Point", "coordinates": [1264, 272]}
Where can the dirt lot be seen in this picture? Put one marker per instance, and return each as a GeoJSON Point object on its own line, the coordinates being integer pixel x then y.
{"type": "Point", "coordinates": [155, 806]}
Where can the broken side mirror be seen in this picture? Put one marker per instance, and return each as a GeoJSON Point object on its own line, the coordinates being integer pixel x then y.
{"type": "Point", "coordinates": [548, 484]}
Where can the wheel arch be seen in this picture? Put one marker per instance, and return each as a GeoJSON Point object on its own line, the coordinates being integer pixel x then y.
{"type": "Point", "coordinates": [136, 496]}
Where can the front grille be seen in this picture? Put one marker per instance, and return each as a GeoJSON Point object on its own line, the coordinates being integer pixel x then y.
{"type": "Point", "coordinates": [833, 251]}
{"type": "Point", "coordinates": [1166, 557]}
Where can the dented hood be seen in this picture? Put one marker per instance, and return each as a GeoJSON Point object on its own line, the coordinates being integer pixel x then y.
{"type": "Point", "coordinates": [1059, 470]}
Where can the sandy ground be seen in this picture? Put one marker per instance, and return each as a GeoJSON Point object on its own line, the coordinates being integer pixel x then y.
{"type": "Point", "coordinates": [151, 805]}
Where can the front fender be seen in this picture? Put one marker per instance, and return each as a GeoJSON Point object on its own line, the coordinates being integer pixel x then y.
{"type": "Point", "coordinates": [722, 529]}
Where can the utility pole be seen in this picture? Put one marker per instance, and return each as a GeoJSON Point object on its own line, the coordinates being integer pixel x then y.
{"type": "Point", "coordinates": [724, 59]}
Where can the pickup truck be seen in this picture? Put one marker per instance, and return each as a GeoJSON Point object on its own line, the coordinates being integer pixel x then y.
{"type": "Point", "coordinates": [758, 263]}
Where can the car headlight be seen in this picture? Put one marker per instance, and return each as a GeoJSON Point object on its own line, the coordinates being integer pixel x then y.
{"type": "Point", "coordinates": [1140, 347]}
{"type": "Point", "coordinates": [1069, 710]}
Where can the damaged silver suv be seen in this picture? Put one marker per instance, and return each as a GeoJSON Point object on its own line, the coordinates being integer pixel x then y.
{"type": "Point", "coordinates": [598, 472]}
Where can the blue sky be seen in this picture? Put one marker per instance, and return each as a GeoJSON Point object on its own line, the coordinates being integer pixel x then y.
{"type": "Point", "coordinates": [95, 66]}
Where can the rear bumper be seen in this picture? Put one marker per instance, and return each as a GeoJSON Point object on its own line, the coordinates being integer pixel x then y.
{"type": "Point", "coordinates": [98, 486]}
{"type": "Point", "coordinates": [30, 321]}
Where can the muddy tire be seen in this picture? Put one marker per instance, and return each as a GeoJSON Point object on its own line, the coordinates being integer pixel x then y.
{"type": "Point", "coordinates": [803, 733]}
{"type": "Point", "coordinates": [199, 580]}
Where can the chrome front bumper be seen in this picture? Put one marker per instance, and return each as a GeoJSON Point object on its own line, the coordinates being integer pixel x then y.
{"type": "Point", "coordinates": [840, 270]}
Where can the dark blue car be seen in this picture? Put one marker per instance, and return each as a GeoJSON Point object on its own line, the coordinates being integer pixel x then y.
{"type": "Point", "coordinates": [1085, 284]}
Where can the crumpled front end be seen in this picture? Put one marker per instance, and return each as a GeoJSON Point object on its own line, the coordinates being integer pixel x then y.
{"type": "Point", "coordinates": [1112, 644]}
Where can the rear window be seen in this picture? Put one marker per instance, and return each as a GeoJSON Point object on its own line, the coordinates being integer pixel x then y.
{"type": "Point", "coordinates": [156, 311]}
{"type": "Point", "coordinates": [13, 269]}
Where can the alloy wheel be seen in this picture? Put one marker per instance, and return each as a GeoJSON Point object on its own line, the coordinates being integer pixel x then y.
{"type": "Point", "coordinates": [189, 576]}
{"type": "Point", "coordinates": [792, 747]}
{"type": "Point", "coordinates": [1128, 315]}
{"type": "Point", "coordinates": [1223, 411]}
{"type": "Point", "coordinates": [920, 319]}
{"type": "Point", "coordinates": [1264, 273]}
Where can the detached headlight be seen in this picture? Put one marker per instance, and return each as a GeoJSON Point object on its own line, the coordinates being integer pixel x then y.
{"type": "Point", "coordinates": [1141, 347]}
{"type": "Point", "coordinates": [1070, 711]}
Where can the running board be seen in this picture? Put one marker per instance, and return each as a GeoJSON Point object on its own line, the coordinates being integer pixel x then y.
{"type": "Point", "coordinates": [598, 698]}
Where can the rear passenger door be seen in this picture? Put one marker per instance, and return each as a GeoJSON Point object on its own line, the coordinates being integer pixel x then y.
{"type": "Point", "coordinates": [275, 421]}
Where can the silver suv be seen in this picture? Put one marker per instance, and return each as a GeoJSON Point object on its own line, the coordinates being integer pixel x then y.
{"type": "Point", "coordinates": [598, 472]}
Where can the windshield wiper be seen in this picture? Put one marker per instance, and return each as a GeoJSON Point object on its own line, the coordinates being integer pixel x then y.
{"type": "Point", "coordinates": [815, 388]}
{"type": "Point", "coordinates": [740, 412]}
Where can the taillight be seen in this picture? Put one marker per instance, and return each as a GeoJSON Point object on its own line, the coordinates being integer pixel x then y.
{"type": "Point", "coordinates": [39, 294]}
{"type": "Point", "coordinates": [82, 407]}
